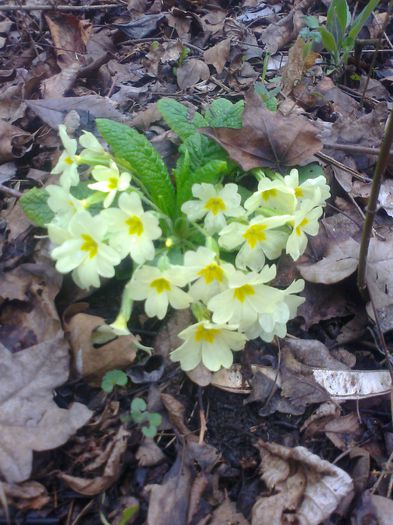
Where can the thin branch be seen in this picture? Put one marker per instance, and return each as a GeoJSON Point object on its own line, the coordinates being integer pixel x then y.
{"type": "Point", "coordinates": [382, 162]}
{"type": "Point", "coordinates": [353, 148]}
{"type": "Point", "coordinates": [57, 8]}
{"type": "Point", "coordinates": [10, 191]}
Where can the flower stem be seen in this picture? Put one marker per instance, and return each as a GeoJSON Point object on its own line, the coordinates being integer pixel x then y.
{"type": "Point", "coordinates": [382, 162]}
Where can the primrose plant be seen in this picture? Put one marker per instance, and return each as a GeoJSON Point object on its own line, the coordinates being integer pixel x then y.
{"type": "Point", "coordinates": [339, 34]}
{"type": "Point", "coordinates": [196, 238]}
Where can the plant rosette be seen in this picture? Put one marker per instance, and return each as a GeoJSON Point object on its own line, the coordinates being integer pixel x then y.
{"type": "Point", "coordinates": [194, 238]}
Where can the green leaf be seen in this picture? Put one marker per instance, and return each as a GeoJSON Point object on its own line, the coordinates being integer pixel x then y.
{"type": "Point", "coordinates": [202, 150]}
{"type": "Point", "coordinates": [34, 205]}
{"type": "Point", "coordinates": [328, 40]}
{"type": "Point", "coordinates": [155, 419]}
{"type": "Point", "coordinates": [138, 405]}
{"type": "Point", "coordinates": [150, 431]}
{"type": "Point", "coordinates": [143, 159]}
{"type": "Point", "coordinates": [338, 16]}
{"type": "Point", "coordinates": [311, 21]}
{"type": "Point", "coordinates": [310, 171]}
{"type": "Point", "coordinates": [361, 19]}
{"type": "Point", "coordinates": [222, 113]}
{"type": "Point", "coordinates": [176, 115]}
{"type": "Point", "coordinates": [211, 173]}
{"type": "Point", "coordinates": [127, 514]}
{"type": "Point", "coordinates": [113, 378]}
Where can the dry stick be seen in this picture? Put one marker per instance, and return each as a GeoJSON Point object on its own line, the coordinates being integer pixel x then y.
{"type": "Point", "coordinates": [10, 191]}
{"type": "Point", "coordinates": [353, 148]}
{"type": "Point", "coordinates": [382, 162]}
{"type": "Point", "coordinates": [57, 8]}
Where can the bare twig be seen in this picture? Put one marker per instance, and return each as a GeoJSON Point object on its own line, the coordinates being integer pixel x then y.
{"type": "Point", "coordinates": [372, 202]}
{"type": "Point", "coordinates": [353, 148]}
{"type": "Point", "coordinates": [56, 8]}
{"type": "Point", "coordinates": [331, 160]}
{"type": "Point", "coordinates": [10, 191]}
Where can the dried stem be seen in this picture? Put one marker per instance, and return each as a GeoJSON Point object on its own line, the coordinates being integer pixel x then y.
{"type": "Point", "coordinates": [382, 162]}
{"type": "Point", "coordinates": [57, 8]}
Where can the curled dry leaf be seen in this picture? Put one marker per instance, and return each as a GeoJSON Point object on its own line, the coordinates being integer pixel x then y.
{"type": "Point", "coordinates": [191, 72]}
{"type": "Point", "coordinates": [354, 384]}
{"type": "Point", "coordinates": [27, 495]}
{"type": "Point", "coordinates": [93, 361]}
{"type": "Point", "coordinates": [226, 513]}
{"type": "Point", "coordinates": [14, 142]}
{"type": "Point", "coordinates": [149, 454]}
{"type": "Point", "coordinates": [112, 470]}
{"type": "Point", "coordinates": [267, 139]}
{"type": "Point", "coordinates": [30, 419]}
{"type": "Point", "coordinates": [306, 488]}
{"type": "Point", "coordinates": [70, 36]}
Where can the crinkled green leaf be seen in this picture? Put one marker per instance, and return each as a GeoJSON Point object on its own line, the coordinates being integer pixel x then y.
{"type": "Point", "coordinates": [138, 405]}
{"type": "Point", "coordinates": [150, 431]}
{"type": "Point", "coordinates": [34, 204]}
{"type": "Point", "coordinates": [177, 117]}
{"type": "Point", "coordinates": [211, 172]}
{"type": "Point", "coordinates": [222, 113]}
{"type": "Point", "coordinates": [143, 159]}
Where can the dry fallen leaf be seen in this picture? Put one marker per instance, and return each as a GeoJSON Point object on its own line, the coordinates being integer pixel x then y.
{"type": "Point", "coordinates": [93, 361]}
{"type": "Point", "coordinates": [307, 489]}
{"type": "Point", "coordinates": [191, 72]}
{"type": "Point", "coordinates": [112, 470]}
{"type": "Point", "coordinates": [70, 36]}
{"type": "Point", "coordinates": [27, 495]}
{"type": "Point", "coordinates": [14, 142]}
{"type": "Point", "coordinates": [29, 418]}
{"type": "Point", "coordinates": [267, 139]}
{"type": "Point", "coordinates": [53, 111]}
{"type": "Point", "coordinates": [149, 453]}
{"type": "Point", "coordinates": [226, 514]}
{"type": "Point", "coordinates": [218, 54]}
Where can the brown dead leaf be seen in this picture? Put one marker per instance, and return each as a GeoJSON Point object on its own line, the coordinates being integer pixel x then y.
{"type": "Point", "coordinates": [70, 36]}
{"type": "Point", "coordinates": [149, 454]}
{"type": "Point", "coordinates": [218, 54]}
{"type": "Point", "coordinates": [168, 502]}
{"type": "Point", "coordinates": [307, 489]}
{"type": "Point", "coordinates": [30, 419]}
{"type": "Point", "coordinates": [53, 111]}
{"type": "Point", "coordinates": [226, 514]}
{"type": "Point", "coordinates": [191, 72]}
{"type": "Point", "coordinates": [14, 142]}
{"type": "Point", "coordinates": [276, 36]}
{"type": "Point", "coordinates": [27, 314]}
{"type": "Point", "coordinates": [267, 139]}
{"type": "Point", "coordinates": [56, 86]}
{"type": "Point", "coordinates": [27, 495]}
{"type": "Point", "coordinates": [384, 508]}
{"type": "Point", "coordinates": [293, 70]}
{"type": "Point", "coordinates": [112, 470]}
{"type": "Point", "coordinates": [167, 338]}
{"type": "Point", "coordinates": [300, 358]}
{"type": "Point", "coordinates": [91, 361]}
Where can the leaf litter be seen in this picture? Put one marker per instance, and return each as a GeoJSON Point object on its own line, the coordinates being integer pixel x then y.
{"type": "Point", "coordinates": [219, 457]}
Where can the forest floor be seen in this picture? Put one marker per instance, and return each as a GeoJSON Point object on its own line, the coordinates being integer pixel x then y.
{"type": "Point", "coordinates": [265, 443]}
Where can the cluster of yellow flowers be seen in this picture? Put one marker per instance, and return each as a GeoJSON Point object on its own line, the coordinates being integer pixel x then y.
{"type": "Point", "coordinates": [229, 294]}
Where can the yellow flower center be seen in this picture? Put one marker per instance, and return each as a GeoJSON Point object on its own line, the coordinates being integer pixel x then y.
{"type": "Point", "coordinates": [205, 334]}
{"type": "Point", "coordinates": [299, 192]}
{"type": "Point", "coordinates": [68, 160]}
{"type": "Point", "coordinates": [113, 182]}
{"type": "Point", "coordinates": [215, 205]}
{"type": "Point", "coordinates": [255, 234]}
{"type": "Point", "coordinates": [135, 226]}
{"type": "Point", "coordinates": [241, 293]}
{"type": "Point", "coordinates": [298, 229]}
{"type": "Point", "coordinates": [212, 272]}
{"type": "Point", "coordinates": [268, 194]}
{"type": "Point", "coordinates": [89, 245]}
{"type": "Point", "coordinates": [161, 285]}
